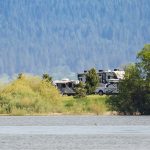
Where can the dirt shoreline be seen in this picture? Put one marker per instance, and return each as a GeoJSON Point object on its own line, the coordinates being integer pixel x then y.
{"type": "Point", "coordinates": [109, 113]}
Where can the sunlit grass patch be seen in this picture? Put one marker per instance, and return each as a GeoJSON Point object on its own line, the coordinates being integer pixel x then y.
{"type": "Point", "coordinates": [91, 104]}
{"type": "Point", "coordinates": [29, 95]}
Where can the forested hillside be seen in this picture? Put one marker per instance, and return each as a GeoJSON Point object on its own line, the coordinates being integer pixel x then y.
{"type": "Point", "coordinates": [62, 37]}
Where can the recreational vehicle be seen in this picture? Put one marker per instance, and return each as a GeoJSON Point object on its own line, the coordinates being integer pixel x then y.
{"type": "Point", "coordinates": [108, 81]}
{"type": "Point", "coordinates": [66, 86]}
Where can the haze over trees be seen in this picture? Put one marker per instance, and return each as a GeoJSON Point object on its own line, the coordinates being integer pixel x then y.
{"type": "Point", "coordinates": [68, 36]}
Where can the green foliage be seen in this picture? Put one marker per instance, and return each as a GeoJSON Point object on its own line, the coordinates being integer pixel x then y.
{"type": "Point", "coordinates": [91, 104]}
{"type": "Point", "coordinates": [129, 97]}
{"type": "Point", "coordinates": [92, 81]}
{"type": "Point", "coordinates": [29, 95]}
{"type": "Point", "coordinates": [134, 89]}
{"type": "Point", "coordinates": [20, 75]}
{"type": "Point", "coordinates": [80, 90]}
{"type": "Point", "coordinates": [144, 65]}
{"type": "Point", "coordinates": [46, 77]}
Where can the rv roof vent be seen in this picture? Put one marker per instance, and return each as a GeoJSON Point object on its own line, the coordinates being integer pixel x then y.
{"type": "Point", "coordinates": [65, 79]}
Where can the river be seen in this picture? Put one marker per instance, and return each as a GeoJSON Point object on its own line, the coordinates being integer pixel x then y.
{"type": "Point", "coordinates": [75, 133]}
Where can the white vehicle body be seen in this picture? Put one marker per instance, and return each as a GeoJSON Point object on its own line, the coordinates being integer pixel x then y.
{"type": "Point", "coordinates": [100, 90]}
{"type": "Point", "coordinates": [109, 88]}
{"type": "Point", "coordinates": [66, 86]}
{"type": "Point", "coordinates": [104, 76]}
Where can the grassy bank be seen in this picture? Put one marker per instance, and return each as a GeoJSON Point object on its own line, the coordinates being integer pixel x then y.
{"type": "Point", "coordinates": [92, 104]}
{"type": "Point", "coordinates": [30, 95]}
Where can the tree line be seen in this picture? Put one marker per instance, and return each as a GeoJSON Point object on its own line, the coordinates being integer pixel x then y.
{"type": "Point", "coordinates": [134, 89]}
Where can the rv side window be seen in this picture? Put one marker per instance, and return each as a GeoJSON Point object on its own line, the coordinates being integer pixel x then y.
{"type": "Point", "coordinates": [58, 85]}
{"type": "Point", "coordinates": [70, 84]}
{"type": "Point", "coordinates": [63, 85]}
{"type": "Point", "coordinates": [80, 79]}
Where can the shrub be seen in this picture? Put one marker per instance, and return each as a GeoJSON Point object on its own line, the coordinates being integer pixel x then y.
{"type": "Point", "coordinates": [29, 94]}
{"type": "Point", "coordinates": [134, 89]}
{"type": "Point", "coordinates": [92, 81]}
{"type": "Point", "coordinates": [80, 91]}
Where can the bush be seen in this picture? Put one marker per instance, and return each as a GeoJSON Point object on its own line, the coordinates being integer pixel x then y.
{"type": "Point", "coordinates": [29, 95]}
{"type": "Point", "coordinates": [92, 81]}
{"type": "Point", "coordinates": [91, 104]}
{"type": "Point", "coordinates": [134, 89]}
{"type": "Point", "coordinates": [80, 91]}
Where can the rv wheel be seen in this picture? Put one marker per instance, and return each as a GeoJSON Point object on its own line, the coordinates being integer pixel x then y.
{"type": "Point", "coordinates": [100, 92]}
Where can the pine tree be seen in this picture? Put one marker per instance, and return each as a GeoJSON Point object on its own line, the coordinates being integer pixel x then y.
{"type": "Point", "coordinates": [80, 90]}
{"type": "Point", "coordinates": [47, 77]}
{"type": "Point", "coordinates": [92, 81]}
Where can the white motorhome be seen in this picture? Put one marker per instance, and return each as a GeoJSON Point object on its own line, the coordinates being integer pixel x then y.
{"type": "Point", "coordinates": [108, 81]}
{"type": "Point", "coordinates": [104, 76]}
{"type": "Point", "coordinates": [108, 89]}
{"type": "Point", "coordinates": [66, 86]}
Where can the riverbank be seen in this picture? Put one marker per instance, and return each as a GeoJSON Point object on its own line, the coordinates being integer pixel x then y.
{"type": "Point", "coordinates": [68, 105]}
{"type": "Point", "coordinates": [31, 95]}
{"type": "Point", "coordinates": [92, 104]}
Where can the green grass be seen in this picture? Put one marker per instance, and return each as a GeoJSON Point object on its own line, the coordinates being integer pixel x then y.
{"type": "Point", "coordinates": [92, 104]}
{"type": "Point", "coordinates": [31, 95]}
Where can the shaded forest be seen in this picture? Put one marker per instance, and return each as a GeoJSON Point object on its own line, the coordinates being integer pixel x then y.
{"type": "Point", "coordinates": [62, 37]}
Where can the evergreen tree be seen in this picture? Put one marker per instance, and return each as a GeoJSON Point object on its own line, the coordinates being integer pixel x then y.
{"type": "Point", "coordinates": [144, 62]}
{"type": "Point", "coordinates": [47, 77]}
{"type": "Point", "coordinates": [134, 89]}
{"type": "Point", "coordinates": [92, 81]}
{"type": "Point", "coordinates": [21, 76]}
{"type": "Point", "coordinates": [80, 90]}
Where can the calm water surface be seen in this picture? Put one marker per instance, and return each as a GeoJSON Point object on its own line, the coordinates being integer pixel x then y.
{"type": "Point", "coordinates": [75, 133]}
